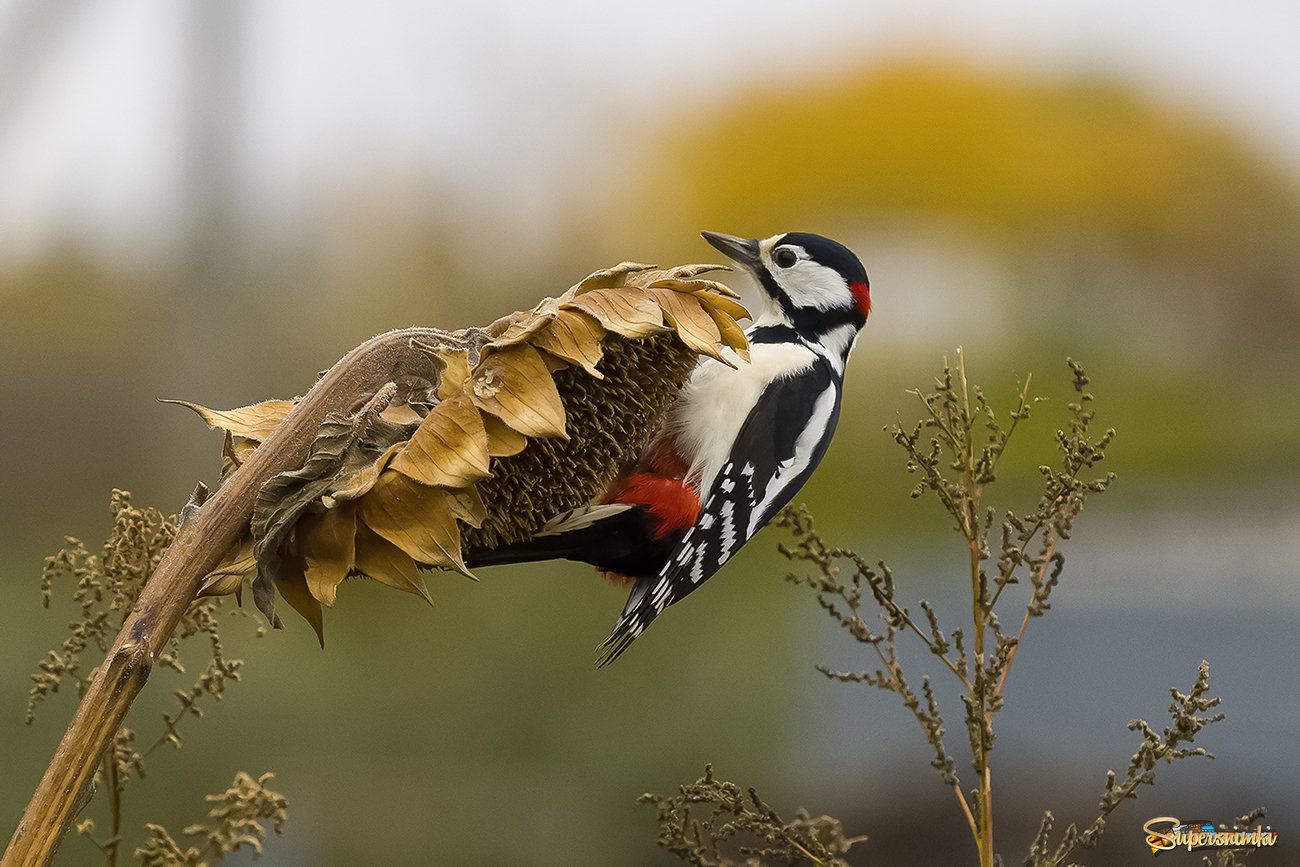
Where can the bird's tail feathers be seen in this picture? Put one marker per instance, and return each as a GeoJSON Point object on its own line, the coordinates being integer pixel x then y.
{"type": "Point", "coordinates": [636, 616]}
{"type": "Point", "coordinates": [581, 518]}
{"type": "Point", "coordinates": [560, 538]}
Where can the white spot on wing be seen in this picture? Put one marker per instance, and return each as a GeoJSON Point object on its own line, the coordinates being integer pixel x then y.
{"type": "Point", "coordinates": [661, 592]}
{"type": "Point", "coordinates": [728, 531]}
{"type": "Point", "coordinates": [697, 571]}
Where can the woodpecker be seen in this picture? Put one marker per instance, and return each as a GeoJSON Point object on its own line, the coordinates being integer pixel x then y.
{"type": "Point", "coordinates": [736, 446]}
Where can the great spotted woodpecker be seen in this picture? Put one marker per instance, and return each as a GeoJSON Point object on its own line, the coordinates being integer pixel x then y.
{"type": "Point", "coordinates": [737, 444]}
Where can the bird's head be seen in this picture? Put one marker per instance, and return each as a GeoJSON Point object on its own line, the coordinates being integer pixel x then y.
{"type": "Point", "coordinates": [809, 282]}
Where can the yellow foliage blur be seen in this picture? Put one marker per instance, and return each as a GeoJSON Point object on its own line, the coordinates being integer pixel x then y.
{"type": "Point", "coordinates": [1020, 161]}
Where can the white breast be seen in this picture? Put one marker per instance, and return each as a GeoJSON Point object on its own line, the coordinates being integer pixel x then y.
{"type": "Point", "coordinates": [717, 399]}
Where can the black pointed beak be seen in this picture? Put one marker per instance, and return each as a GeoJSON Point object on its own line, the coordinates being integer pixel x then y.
{"type": "Point", "coordinates": [742, 250]}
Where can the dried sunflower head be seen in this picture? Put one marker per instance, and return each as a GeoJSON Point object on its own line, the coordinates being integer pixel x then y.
{"type": "Point", "coordinates": [498, 431]}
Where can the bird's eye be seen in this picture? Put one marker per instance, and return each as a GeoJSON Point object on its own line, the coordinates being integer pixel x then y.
{"type": "Point", "coordinates": [785, 257]}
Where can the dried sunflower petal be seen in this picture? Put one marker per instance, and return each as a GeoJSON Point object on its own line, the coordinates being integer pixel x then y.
{"type": "Point", "coordinates": [293, 588]}
{"type": "Point", "coordinates": [346, 487]}
{"type": "Point", "coordinates": [386, 563]}
{"type": "Point", "coordinates": [415, 518]}
{"type": "Point", "coordinates": [625, 312]}
{"type": "Point", "coordinates": [730, 332]}
{"type": "Point", "coordinates": [609, 278]}
{"type": "Point", "coordinates": [692, 322]}
{"type": "Point", "coordinates": [691, 272]}
{"type": "Point", "coordinates": [724, 306]}
{"type": "Point", "coordinates": [515, 386]}
{"type": "Point", "coordinates": [229, 574]}
{"type": "Point", "coordinates": [467, 506]}
{"type": "Point", "coordinates": [327, 543]}
{"type": "Point", "coordinates": [254, 422]}
{"type": "Point", "coordinates": [503, 440]}
{"type": "Point", "coordinates": [517, 327]}
{"type": "Point", "coordinates": [450, 447]}
{"type": "Point", "coordinates": [575, 337]}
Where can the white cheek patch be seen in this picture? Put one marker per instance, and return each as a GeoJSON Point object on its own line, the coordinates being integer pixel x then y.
{"type": "Point", "coordinates": [806, 283]}
{"type": "Point", "coordinates": [812, 285]}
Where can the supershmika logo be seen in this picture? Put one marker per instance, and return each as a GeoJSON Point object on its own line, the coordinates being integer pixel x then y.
{"type": "Point", "coordinates": [1166, 832]}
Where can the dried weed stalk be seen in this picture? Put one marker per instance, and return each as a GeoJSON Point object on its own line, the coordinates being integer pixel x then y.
{"type": "Point", "coordinates": [732, 820]}
{"type": "Point", "coordinates": [105, 587]}
{"type": "Point", "coordinates": [955, 450]}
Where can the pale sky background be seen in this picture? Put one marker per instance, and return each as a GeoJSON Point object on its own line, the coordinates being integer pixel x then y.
{"type": "Point", "coordinates": [504, 97]}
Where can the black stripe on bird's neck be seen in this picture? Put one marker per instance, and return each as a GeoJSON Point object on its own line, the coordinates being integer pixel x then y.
{"type": "Point", "coordinates": [813, 334]}
{"type": "Point", "coordinates": [809, 323]}
{"type": "Point", "coordinates": [772, 334]}
{"type": "Point", "coordinates": [815, 324]}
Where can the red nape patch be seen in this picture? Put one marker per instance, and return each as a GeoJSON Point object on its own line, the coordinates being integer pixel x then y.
{"type": "Point", "coordinates": [862, 294]}
{"type": "Point", "coordinates": [674, 503]}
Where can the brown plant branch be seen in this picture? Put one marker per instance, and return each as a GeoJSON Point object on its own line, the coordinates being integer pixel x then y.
{"type": "Point", "coordinates": [199, 545]}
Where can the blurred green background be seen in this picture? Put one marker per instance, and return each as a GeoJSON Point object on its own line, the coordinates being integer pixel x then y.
{"type": "Point", "coordinates": [216, 201]}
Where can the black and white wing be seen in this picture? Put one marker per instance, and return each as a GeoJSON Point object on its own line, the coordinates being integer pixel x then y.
{"type": "Point", "coordinates": [776, 449]}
